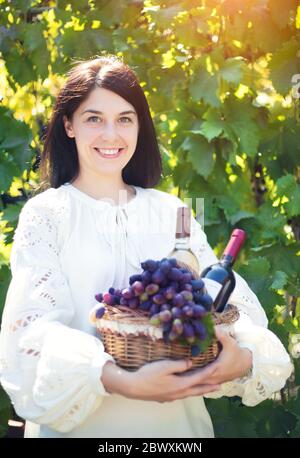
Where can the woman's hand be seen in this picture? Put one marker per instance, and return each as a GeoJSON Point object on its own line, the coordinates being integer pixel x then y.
{"type": "Point", "coordinates": [160, 381]}
{"type": "Point", "coordinates": [233, 362]}
{"type": "Point", "coordinates": [167, 380]}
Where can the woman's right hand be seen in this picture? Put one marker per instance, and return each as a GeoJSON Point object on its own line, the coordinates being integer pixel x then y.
{"type": "Point", "coordinates": [161, 381]}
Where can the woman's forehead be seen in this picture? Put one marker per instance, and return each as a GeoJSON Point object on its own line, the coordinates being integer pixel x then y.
{"type": "Point", "coordinates": [104, 100]}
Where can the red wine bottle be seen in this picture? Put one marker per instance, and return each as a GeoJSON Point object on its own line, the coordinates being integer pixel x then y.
{"type": "Point", "coordinates": [219, 278]}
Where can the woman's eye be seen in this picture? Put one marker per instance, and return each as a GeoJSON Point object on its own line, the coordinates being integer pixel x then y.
{"type": "Point", "coordinates": [93, 117]}
{"type": "Point", "coordinates": [125, 117]}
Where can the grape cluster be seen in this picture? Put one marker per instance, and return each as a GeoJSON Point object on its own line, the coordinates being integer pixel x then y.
{"type": "Point", "coordinates": [173, 298]}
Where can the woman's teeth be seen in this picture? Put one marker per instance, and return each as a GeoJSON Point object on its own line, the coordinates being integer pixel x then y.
{"type": "Point", "coordinates": [113, 152]}
{"type": "Point", "coordinates": [108, 151]}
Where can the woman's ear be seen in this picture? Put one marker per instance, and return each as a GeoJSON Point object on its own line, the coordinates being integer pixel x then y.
{"type": "Point", "coordinates": [68, 127]}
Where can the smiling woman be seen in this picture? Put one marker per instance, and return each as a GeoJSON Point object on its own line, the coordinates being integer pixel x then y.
{"type": "Point", "coordinates": [101, 135]}
{"type": "Point", "coordinates": [105, 143]}
{"type": "Point", "coordinates": [70, 244]}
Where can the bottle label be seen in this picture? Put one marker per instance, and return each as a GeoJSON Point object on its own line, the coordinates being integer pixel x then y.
{"type": "Point", "coordinates": [212, 287]}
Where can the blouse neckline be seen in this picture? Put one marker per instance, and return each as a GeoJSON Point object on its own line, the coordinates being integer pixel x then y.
{"type": "Point", "coordinates": [100, 203]}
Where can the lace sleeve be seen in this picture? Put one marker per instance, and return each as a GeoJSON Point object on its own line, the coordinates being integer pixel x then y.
{"type": "Point", "coordinates": [50, 371]}
{"type": "Point", "coordinates": [271, 363]}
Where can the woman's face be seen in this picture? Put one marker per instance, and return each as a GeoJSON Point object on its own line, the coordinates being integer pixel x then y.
{"type": "Point", "coordinates": [105, 128]}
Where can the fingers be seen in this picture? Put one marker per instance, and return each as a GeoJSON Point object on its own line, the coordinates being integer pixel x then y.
{"type": "Point", "coordinates": [175, 366]}
{"type": "Point", "coordinates": [200, 376]}
{"type": "Point", "coordinates": [201, 390]}
{"type": "Point", "coordinates": [222, 336]}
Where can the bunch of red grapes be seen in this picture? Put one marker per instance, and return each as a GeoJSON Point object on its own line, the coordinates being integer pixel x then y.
{"type": "Point", "coordinates": [173, 298]}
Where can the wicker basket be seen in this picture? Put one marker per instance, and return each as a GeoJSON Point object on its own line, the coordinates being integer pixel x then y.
{"type": "Point", "coordinates": [133, 342]}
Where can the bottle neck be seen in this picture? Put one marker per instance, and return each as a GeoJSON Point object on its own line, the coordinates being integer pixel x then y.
{"type": "Point", "coordinates": [182, 243]}
{"type": "Point", "coordinates": [227, 260]}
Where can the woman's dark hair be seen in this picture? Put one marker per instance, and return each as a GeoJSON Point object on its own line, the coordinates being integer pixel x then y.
{"type": "Point", "coordinates": [59, 160]}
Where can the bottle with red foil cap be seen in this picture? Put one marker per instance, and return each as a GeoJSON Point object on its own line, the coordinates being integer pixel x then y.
{"type": "Point", "coordinates": [219, 278]}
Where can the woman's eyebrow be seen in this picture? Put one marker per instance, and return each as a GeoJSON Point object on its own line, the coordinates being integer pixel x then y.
{"type": "Point", "coordinates": [100, 112]}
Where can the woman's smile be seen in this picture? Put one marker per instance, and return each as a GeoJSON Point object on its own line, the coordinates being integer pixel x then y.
{"type": "Point", "coordinates": [109, 153]}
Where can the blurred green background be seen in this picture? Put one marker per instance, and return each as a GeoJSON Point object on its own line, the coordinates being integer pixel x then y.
{"type": "Point", "coordinates": [222, 78]}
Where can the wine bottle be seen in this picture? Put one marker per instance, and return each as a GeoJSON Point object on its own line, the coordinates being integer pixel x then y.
{"type": "Point", "coordinates": [219, 278]}
{"type": "Point", "coordinates": [182, 249]}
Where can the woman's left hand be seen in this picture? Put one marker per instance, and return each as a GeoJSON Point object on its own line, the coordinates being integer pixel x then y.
{"type": "Point", "coordinates": [233, 362]}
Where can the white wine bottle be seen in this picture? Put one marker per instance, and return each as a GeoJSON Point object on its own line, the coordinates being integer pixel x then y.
{"type": "Point", "coordinates": [182, 251]}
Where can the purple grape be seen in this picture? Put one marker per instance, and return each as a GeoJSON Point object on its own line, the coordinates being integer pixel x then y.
{"type": "Point", "coordinates": [206, 301]}
{"type": "Point", "coordinates": [100, 312]}
{"type": "Point", "coordinates": [175, 274]}
{"type": "Point", "coordinates": [175, 285]}
{"type": "Point", "coordinates": [152, 289]}
{"type": "Point", "coordinates": [158, 299]}
{"type": "Point", "coordinates": [149, 265]}
{"type": "Point", "coordinates": [189, 333]}
{"type": "Point", "coordinates": [124, 301]}
{"type": "Point", "coordinates": [187, 295]}
{"type": "Point", "coordinates": [188, 311]}
{"type": "Point", "coordinates": [199, 311]}
{"type": "Point", "coordinates": [118, 293]}
{"type": "Point", "coordinates": [186, 286]}
{"type": "Point", "coordinates": [173, 262]}
{"type": "Point", "coordinates": [197, 284]}
{"type": "Point", "coordinates": [134, 302]}
{"type": "Point", "coordinates": [200, 329]}
{"type": "Point", "coordinates": [158, 277]}
{"type": "Point", "coordinates": [165, 315]}
{"type": "Point", "coordinates": [177, 326]}
{"type": "Point", "coordinates": [145, 305]}
{"type": "Point", "coordinates": [99, 297]}
{"type": "Point", "coordinates": [134, 278]}
{"type": "Point", "coordinates": [108, 299]}
{"type": "Point", "coordinates": [165, 282]}
{"type": "Point", "coordinates": [146, 277]}
{"type": "Point", "coordinates": [165, 266]}
{"type": "Point", "coordinates": [137, 288]}
{"type": "Point", "coordinates": [111, 291]}
{"type": "Point", "coordinates": [165, 307]}
{"type": "Point", "coordinates": [178, 300]}
{"type": "Point", "coordinates": [176, 312]}
{"type": "Point", "coordinates": [195, 350]}
{"type": "Point", "coordinates": [116, 299]}
{"type": "Point", "coordinates": [187, 277]}
{"type": "Point", "coordinates": [169, 292]}
{"type": "Point", "coordinates": [184, 270]}
{"type": "Point", "coordinates": [127, 293]}
{"type": "Point", "coordinates": [197, 297]}
{"type": "Point", "coordinates": [154, 309]}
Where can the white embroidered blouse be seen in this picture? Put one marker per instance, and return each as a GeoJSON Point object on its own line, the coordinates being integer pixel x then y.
{"type": "Point", "coordinates": [69, 246]}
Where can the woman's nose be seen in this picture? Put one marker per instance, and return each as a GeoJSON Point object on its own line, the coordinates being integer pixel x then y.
{"type": "Point", "coordinates": [109, 131]}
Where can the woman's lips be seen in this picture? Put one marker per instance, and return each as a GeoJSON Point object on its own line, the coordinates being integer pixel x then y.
{"type": "Point", "coordinates": [109, 156]}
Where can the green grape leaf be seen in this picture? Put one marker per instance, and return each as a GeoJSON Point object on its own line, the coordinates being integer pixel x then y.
{"type": "Point", "coordinates": [232, 70]}
{"type": "Point", "coordinates": [257, 273]}
{"type": "Point", "coordinates": [200, 154]}
{"type": "Point", "coordinates": [279, 280]}
{"type": "Point", "coordinates": [213, 126]}
{"type": "Point", "coordinates": [204, 85]}
{"type": "Point", "coordinates": [285, 64]}
{"type": "Point", "coordinates": [285, 185]}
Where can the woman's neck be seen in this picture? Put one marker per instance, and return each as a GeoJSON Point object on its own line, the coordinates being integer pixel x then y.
{"type": "Point", "coordinates": [109, 189]}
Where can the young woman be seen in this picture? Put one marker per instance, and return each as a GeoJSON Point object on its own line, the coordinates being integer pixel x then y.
{"type": "Point", "coordinates": [99, 218]}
